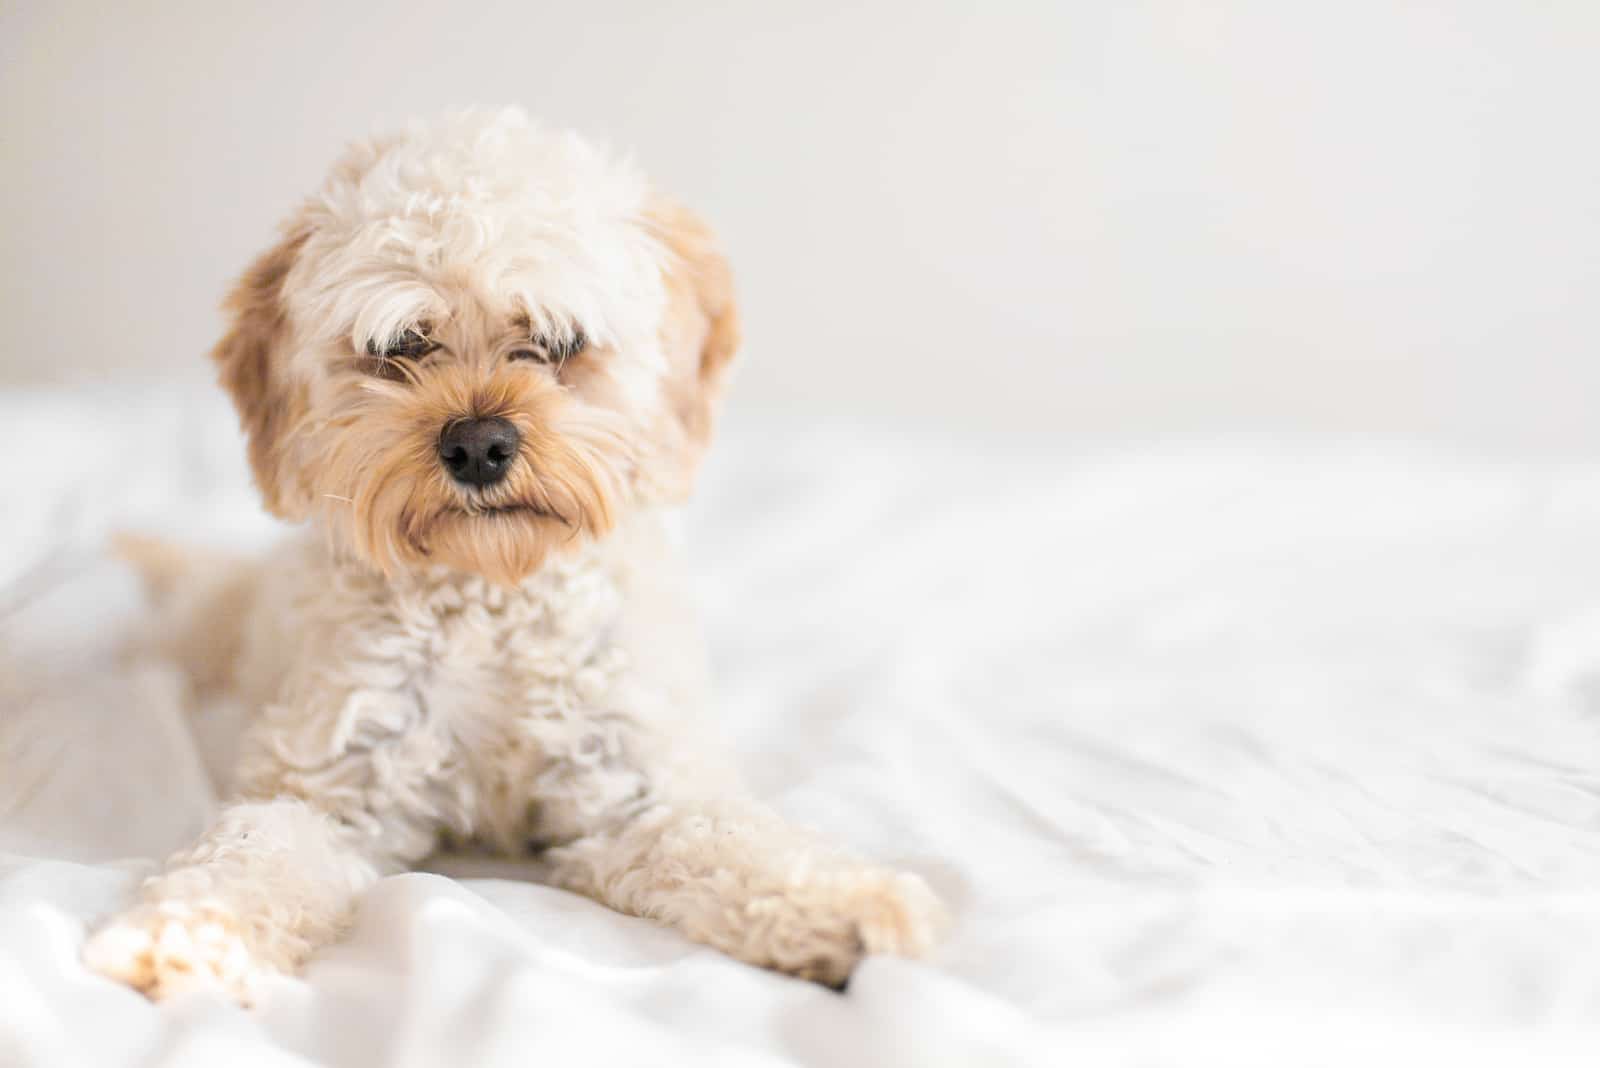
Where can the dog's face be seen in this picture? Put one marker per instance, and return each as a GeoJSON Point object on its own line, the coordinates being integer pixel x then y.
{"type": "Point", "coordinates": [479, 344]}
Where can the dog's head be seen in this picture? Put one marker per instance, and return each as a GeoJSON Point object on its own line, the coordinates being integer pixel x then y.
{"type": "Point", "coordinates": [480, 343]}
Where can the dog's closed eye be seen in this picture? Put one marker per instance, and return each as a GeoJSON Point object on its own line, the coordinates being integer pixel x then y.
{"type": "Point", "coordinates": [551, 350]}
{"type": "Point", "coordinates": [392, 359]}
{"type": "Point", "coordinates": [411, 345]}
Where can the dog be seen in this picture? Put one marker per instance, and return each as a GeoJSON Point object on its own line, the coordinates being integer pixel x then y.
{"type": "Point", "coordinates": [479, 368]}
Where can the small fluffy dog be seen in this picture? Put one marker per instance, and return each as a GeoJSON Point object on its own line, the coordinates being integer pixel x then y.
{"type": "Point", "coordinates": [479, 366]}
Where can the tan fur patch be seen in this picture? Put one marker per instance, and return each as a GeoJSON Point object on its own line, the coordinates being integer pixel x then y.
{"type": "Point", "coordinates": [700, 335]}
{"type": "Point", "coordinates": [268, 407]}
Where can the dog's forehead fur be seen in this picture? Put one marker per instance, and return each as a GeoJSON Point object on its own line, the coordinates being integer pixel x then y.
{"type": "Point", "coordinates": [491, 208]}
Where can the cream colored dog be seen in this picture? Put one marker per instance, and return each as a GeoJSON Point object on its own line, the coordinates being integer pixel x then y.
{"type": "Point", "coordinates": [479, 366]}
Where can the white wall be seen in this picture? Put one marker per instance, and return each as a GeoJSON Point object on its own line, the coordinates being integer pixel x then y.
{"type": "Point", "coordinates": [1125, 217]}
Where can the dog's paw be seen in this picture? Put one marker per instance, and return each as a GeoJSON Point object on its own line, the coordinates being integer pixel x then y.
{"type": "Point", "coordinates": [164, 949]}
{"type": "Point", "coordinates": [823, 931]}
{"type": "Point", "coordinates": [901, 918]}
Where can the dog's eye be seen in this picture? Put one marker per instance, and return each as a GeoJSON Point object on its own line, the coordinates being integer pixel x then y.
{"type": "Point", "coordinates": [549, 350]}
{"type": "Point", "coordinates": [412, 345]}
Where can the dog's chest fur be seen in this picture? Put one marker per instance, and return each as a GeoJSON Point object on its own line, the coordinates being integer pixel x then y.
{"type": "Point", "coordinates": [444, 701]}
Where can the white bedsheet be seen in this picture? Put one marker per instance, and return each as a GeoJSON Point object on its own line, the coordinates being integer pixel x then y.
{"type": "Point", "coordinates": [1252, 753]}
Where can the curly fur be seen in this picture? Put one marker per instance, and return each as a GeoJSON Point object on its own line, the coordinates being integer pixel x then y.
{"type": "Point", "coordinates": [512, 666]}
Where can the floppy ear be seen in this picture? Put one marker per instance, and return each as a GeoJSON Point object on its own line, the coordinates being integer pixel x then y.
{"type": "Point", "coordinates": [699, 334]}
{"type": "Point", "coordinates": [250, 357]}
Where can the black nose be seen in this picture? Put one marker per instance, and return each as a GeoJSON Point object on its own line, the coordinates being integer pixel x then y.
{"type": "Point", "coordinates": [478, 452]}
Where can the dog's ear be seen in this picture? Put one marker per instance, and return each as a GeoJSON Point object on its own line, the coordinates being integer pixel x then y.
{"type": "Point", "coordinates": [700, 334]}
{"type": "Point", "coordinates": [250, 356]}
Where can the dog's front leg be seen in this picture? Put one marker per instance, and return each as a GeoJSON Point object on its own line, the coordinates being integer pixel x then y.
{"type": "Point", "coordinates": [735, 876]}
{"type": "Point", "coordinates": [270, 882]}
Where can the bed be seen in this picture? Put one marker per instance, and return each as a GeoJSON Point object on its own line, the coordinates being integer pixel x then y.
{"type": "Point", "coordinates": [1237, 752]}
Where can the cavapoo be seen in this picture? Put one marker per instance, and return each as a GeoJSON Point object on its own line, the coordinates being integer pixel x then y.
{"type": "Point", "coordinates": [479, 367]}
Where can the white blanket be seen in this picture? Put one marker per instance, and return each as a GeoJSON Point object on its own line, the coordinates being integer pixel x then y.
{"type": "Point", "coordinates": [1257, 753]}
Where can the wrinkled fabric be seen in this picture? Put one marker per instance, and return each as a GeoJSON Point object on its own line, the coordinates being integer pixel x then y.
{"type": "Point", "coordinates": [1233, 753]}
